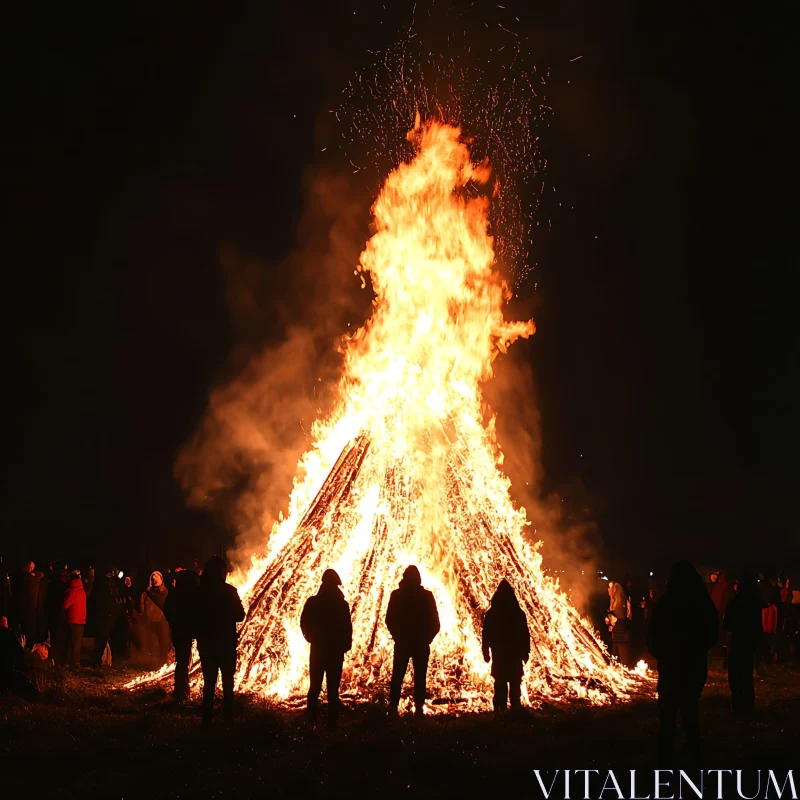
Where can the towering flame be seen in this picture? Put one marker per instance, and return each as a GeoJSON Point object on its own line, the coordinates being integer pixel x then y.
{"type": "Point", "coordinates": [407, 471]}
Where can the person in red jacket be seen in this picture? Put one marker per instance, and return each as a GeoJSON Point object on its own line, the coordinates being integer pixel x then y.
{"type": "Point", "coordinates": [75, 612]}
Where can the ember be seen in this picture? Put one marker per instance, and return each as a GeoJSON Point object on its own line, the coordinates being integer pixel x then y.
{"type": "Point", "coordinates": [407, 471]}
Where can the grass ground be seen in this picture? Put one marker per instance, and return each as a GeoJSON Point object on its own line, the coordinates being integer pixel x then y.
{"type": "Point", "coordinates": [91, 739]}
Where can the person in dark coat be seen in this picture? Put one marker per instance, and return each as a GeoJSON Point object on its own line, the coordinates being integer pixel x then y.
{"type": "Point", "coordinates": [75, 614]}
{"type": "Point", "coordinates": [12, 657]}
{"type": "Point", "coordinates": [107, 607]}
{"type": "Point", "coordinates": [180, 610]}
{"type": "Point", "coordinates": [507, 641]}
{"type": "Point", "coordinates": [24, 602]}
{"type": "Point", "coordinates": [413, 622]}
{"type": "Point", "coordinates": [219, 609]}
{"type": "Point", "coordinates": [743, 622]}
{"type": "Point", "coordinates": [682, 631]}
{"type": "Point", "coordinates": [326, 625]}
{"type": "Point", "coordinates": [56, 615]}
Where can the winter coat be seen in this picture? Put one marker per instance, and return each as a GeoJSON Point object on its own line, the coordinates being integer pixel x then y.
{"type": "Point", "coordinates": [107, 602]}
{"type": "Point", "coordinates": [181, 606]}
{"type": "Point", "coordinates": [683, 629]}
{"type": "Point", "coordinates": [219, 609]}
{"type": "Point", "coordinates": [412, 617]}
{"type": "Point", "coordinates": [153, 601]}
{"type": "Point", "coordinates": [75, 602]}
{"type": "Point", "coordinates": [326, 623]}
{"type": "Point", "coordinates": [505, 633]}
{"type": "Point", "coordinates": [24, 596]}
{"type": "Point", "coordinates": [743, 619]}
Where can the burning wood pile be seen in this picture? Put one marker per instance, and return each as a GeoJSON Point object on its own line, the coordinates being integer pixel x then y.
{"type": "Point", "coordinates": [407, 470]}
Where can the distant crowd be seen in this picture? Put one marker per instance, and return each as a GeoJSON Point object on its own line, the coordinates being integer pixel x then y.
{"type": "Point", "coordinates": [631, 609]}
{"type": "Point", "coordinates": [62, 615]}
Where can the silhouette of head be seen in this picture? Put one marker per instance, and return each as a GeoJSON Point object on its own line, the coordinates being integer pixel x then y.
{"type": "Point", "coordinates": [411, 576]}
{"type": "Point", "coordinates": [331, 578]}
{"type": "Point", "coordinates": [215, 571]}
{"type": "Point", "coordinates": [504, 594]}
{"type": "Point", "coordinates": [683, 577]}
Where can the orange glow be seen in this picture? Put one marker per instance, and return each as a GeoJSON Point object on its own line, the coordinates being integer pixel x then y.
{"type": "Point", "coordinates": [406, 470]}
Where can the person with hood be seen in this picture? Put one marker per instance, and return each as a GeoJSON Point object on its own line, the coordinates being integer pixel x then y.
{"type": "Point", "coordinates": [180, 610]}
{"type": "Point", "coordinates": [413, 622]}
{"type": "Point", "coordinates": [743, 622]}
{"type": "Point", "coordinates": [107, 607]}
{"type": "Point", "coordinates": [507, 641]}
{"type": "Point", "coordinates": [326, 625]}
{"type": "Point", "coordinates": [619, 622]}
{"type": "Point", "coordinates": [682, 631]}
{"type": "Point", "coordinates": [219, 609]}
{"type": "Point", "coordinates": [75, 618]}
{"type": "Point", "coordinates": [152, 609]}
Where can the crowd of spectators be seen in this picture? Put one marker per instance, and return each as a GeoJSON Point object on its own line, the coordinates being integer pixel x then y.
{"type": "Point", "coordinates": [631, 608]}
{"type": "Point", "coordinates": [61, 615]}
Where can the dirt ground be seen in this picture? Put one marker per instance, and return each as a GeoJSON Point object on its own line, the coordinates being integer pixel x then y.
{"type": "Point", "coordinates": [88, 738]}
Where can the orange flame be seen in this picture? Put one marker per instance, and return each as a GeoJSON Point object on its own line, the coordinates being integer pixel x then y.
{"type": "Point", "coordinates": [406, 471]}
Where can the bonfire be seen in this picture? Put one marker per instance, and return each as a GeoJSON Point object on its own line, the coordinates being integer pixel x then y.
{"type": "Point", "coordinates": [407, 469]}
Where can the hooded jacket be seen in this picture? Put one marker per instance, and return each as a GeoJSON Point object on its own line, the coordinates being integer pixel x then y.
{"type": "Point", "coordinates": [326, 622]}
{"type": "Point", "coordinates": [412, 617]}
{"type": "Point", "coordinates": [505, 631]}
{"type": "Point", "coordinates": [683, 629]}
{"type": "Point", "coordinates": [75, 602]}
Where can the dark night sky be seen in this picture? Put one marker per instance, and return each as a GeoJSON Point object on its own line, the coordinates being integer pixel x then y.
{"type": "Point", "coordinates": [150, 137]}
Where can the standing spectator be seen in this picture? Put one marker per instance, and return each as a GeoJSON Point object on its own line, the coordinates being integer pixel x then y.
{"type": "Point", "coordinates": [619, 622]}
{"type": "Point", "coordinates": [507, 641]}
{"type": "Point", "coordinates": [5, 591]}
{"type": "Point", "coordinates": [107, 607]}
{"type": "Point", "coordinates": [326, 625]}
{"type": "Point", "coordinates": [770, 598]}
{"type": "Point", "coordinates": [743, 621]}
{"type": "Point", "coordinates": [682, 631]}
{"type": "Point", "coordinates": [219, 609]}
{"type": "Point", "coordinates": [413, 622]}
{"type": "Point", "coordinates": [57, 616]}
{"type": "Point", "coordinates": [75, 616]}
{"type": "Point", "coordinates": [42, 607]}
{"type": "Point", "coordinates": [180, 610]}
{"type": "Point", "coordinates": [24, 601]}
{"type": "Point", "coordinates": [12, 657]}
{"type": "Point", "coordinates": [120, 633]}
{"type": "Point", "coordinates": [152, 609]}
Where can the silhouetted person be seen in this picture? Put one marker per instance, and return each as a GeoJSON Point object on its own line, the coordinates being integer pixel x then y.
{"type": "Point", "coordinates": [42, 624]}
{"type": "Point", "coordinates": [507, 640]}
{"type": "Point", "coordinates": [219, 609]}
{"type": "Point", "coordinates": [12, 657]}
{"type": "Point", "coordinates": [326, 625]}
{"type": "Point", "coordinates": [24, 602]}
{"type": "Point", "coordinates": [181, 611]}
{"type": "Point", "coordinates": [107, 607]}
{"type": "Point", "coordinates": [75, 617]}
{"type": "Point", "coordinates": [56, 615]}
{"type": "Point", "coordinates": [743, 622]}
{"type": "Point", "coordinates": [681, 632]}
{"type": "Point", "coordinates": [413, 621]}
